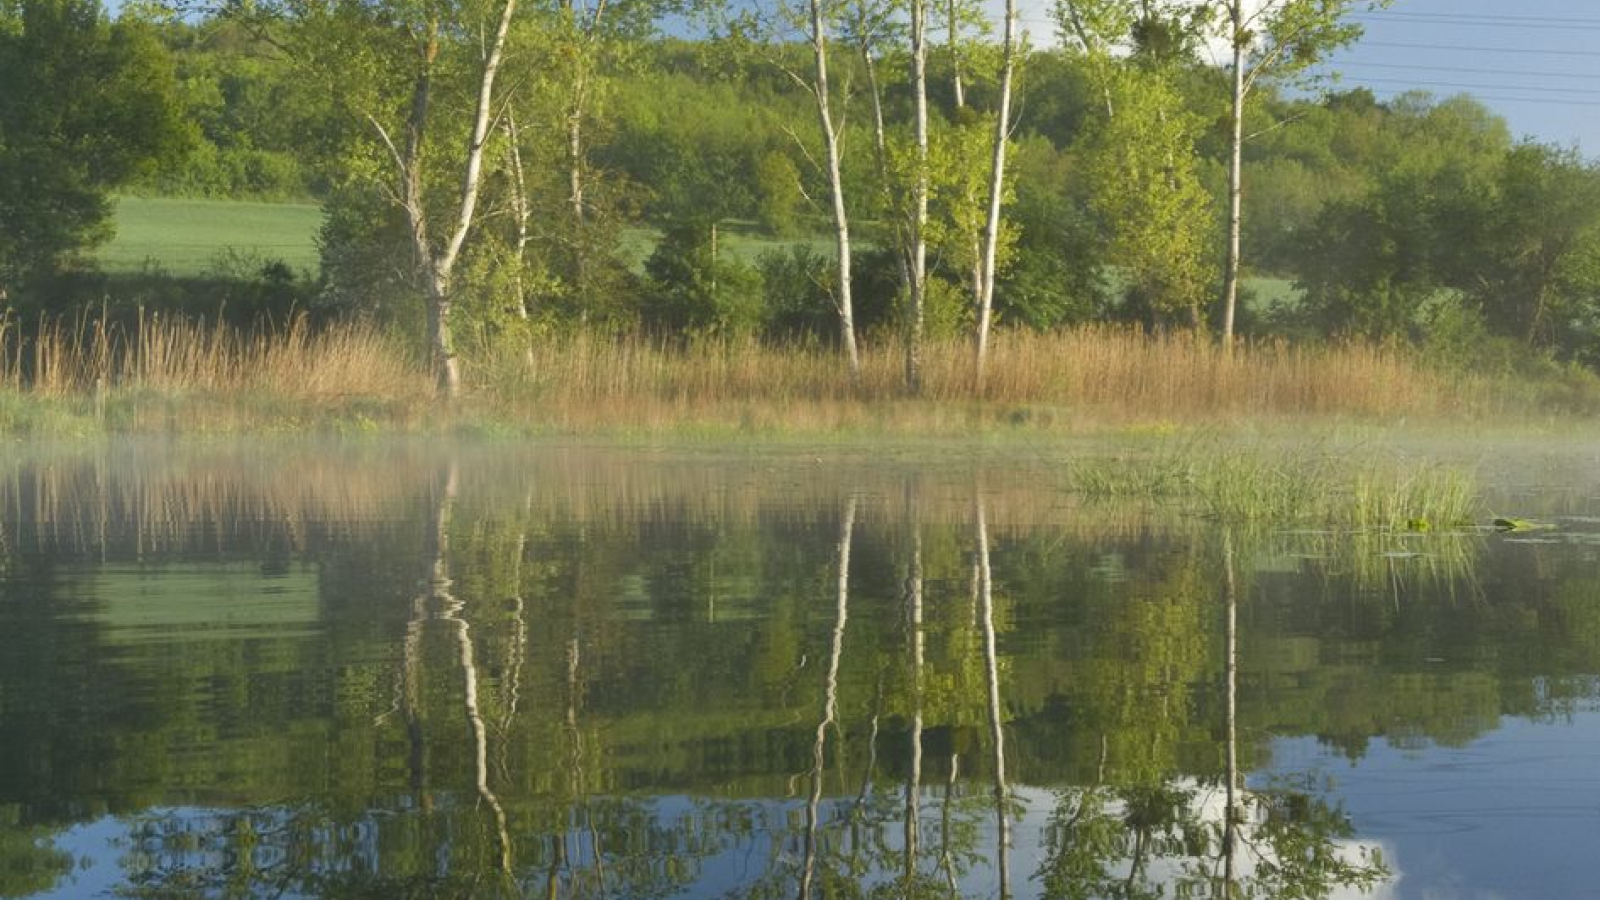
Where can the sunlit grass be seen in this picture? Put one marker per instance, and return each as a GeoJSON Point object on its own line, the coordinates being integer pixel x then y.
{"type": "Point", "coordinates": [1049, 381]}
{"type": "Point", "coordinates": [188, 237]}
{"type": "Point", "coordinates": [180, 375]}
{"type": "Point", "coordinates": [1230, 483]}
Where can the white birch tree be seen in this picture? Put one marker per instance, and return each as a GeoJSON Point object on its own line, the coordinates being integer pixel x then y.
{"type": "Point", "coordinates": [1269, 39]}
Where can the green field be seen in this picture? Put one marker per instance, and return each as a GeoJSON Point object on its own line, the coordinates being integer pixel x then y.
{"type": "Point", "coordinates": [198, 237]}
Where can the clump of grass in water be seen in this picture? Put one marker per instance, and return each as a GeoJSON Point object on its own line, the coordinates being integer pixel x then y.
{"type": "Point", "coordinates": [1266, 486]}
{"type": "Point", "coordinates": [1421, 499]}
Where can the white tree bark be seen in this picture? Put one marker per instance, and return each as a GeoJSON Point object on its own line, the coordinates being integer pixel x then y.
{"type": "Point", "coordinates": [841, 217]}
{"type": "Point", "coordinates": [1230, 297]}
{"type": "Point", "coordinates": [438, 265]}
{"type": "Point", "coordinates": [997, 176]}
{"type": "Point", "coordinates": [997, 734]}
{"type": "Point", "coordinates": [918, 262]}
{"type": "Point", "coordinates": [830, 698]}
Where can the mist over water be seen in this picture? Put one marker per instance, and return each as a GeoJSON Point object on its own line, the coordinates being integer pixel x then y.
{"type": "Point", "coordinates": [419, 669]}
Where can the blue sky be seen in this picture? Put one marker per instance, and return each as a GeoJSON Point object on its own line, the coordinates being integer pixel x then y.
{"type": "Point", "coordinates": [1536, 62]}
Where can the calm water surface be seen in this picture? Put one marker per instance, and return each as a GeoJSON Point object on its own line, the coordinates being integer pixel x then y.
{"type": "Point", "coordinates": [416, 671]}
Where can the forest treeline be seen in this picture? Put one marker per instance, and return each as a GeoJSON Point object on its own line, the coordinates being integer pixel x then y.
{"type": "Point", "coordinates": [492, 172]}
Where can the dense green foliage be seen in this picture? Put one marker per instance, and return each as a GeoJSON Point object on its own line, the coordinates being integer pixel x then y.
{"type": "Point", "coordinates": [1413, 219]}
{"type": "Point", "coordinates": [86, 105]}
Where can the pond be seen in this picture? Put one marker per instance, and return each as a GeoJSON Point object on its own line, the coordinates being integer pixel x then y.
{"type": "Point", "coordinates": [428, 670]}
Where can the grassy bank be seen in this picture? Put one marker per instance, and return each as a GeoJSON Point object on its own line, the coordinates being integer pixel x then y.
{"type": "Point", "coordinates": [161, 376]}
{"type": "Point", "coordinates": [1269, 433]}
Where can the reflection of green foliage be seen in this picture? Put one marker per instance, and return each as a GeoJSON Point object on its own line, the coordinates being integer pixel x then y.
{"type": "Point", "coordinates": [29, 864]}
{"type": "Point", "coordinates": [1286, 844]}
{"type": "Point", "coordinates": [702, 636]}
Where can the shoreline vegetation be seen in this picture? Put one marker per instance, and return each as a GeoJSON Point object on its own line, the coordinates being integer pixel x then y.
{"type": "Point", "coordinates": [171, 376]}
{"type": "Point", "coordinates": [1169, 421]}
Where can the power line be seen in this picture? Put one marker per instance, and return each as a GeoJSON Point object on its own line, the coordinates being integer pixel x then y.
{"type": "Point", "coordinates": [1459, 49]}
{"type": "Point", "coordinates": [1475, 18]}
{"type": "Point", "coordinates": [1489, 87]}
{"type": "Point", "coordinates": [1546, 101]}
{"type": "Point", "coordinates": [1464, 70]}
{"type": "Point", "coordinates": [1488, 22]}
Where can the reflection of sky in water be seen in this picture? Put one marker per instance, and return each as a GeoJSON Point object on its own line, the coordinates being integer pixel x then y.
{"type": "Point", "coordinates": [1516, 807]}
{"type": "Point", "coordinates": [102, 848]}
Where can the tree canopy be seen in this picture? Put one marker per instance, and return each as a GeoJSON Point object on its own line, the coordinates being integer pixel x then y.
{"type": "Point", "coordinates": [89, 105]}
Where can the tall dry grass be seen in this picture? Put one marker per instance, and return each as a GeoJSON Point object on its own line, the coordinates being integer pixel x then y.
{"type": "Point", "coordinates": [1100, 372]}
{"type": "Point", "coordinates": [73, 357]}
{"type": "Point", "coordinates": [592, 381]}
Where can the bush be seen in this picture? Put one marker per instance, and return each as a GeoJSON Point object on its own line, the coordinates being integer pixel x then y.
{"type": "Point", "coordinates": [695, 290]}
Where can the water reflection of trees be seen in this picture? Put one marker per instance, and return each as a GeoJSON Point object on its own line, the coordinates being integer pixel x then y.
{"type": "Point", "coordinates": [1154, 829]}
{"type": "Point", "coordinates": [508, 692]}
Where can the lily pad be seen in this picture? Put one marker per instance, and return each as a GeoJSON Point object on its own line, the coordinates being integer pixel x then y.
{"type": "Point", "coordinates": [1505, 524]}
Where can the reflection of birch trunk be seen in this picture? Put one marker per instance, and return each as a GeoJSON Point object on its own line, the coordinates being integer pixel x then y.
{"type": "Point", "coordinates": [411, 703]}
{"type": "Point", "coordinates": [411, 648]}
{"type": "Point", "coordinates": [872, 751]}
{"type": "Point", "coordinates": [440, 590]}
{"type": "Point", "coordinates": [914, 629]}
{"type": "Point", "coordinates": [991, 667]}
{"type": "Point", "coordinates": [1231, 814]}
{"type": "Point", "coordinates": [480, 736]}
{"type": "Point", "coordinates": [830, 698]}
{"type": "Point", "coordinates": [576, 778]}
{"type": "Point", "coordinates": [947, 855]}
{"type": "Point", "coordinates": [516, 653]}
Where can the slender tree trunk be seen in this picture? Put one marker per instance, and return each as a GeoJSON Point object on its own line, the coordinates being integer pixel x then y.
{"type": "Point", "coordinates": [919, 196]}
{"type": "Point", "coordinates": [1540, 295]}
{"type": "Point", "coordinates": [522, 214]}
{"type": "Point", "coordinates": [438, 266]}
{"type": "Point", "coordinates": [575, 157]}
{"type": "Point", "coordinates": [575, 187]}
{"type": "Point", "coordinates": [1192, 302]}
{"type": "Point", "coordinates": [841, 218]}
{"type": "Point", "coordinates": [880, 144]}
{"type": "Point", "coordinates": [955, 56]}
{"type": "Point", "coordinates": [1235, 172]}
{"type": "Point", "coordinates": [1092, 50]}
{"type": "Point", "coordinates": [435, 281]}
{"type": "Point", "coordinates": [997, 175]}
